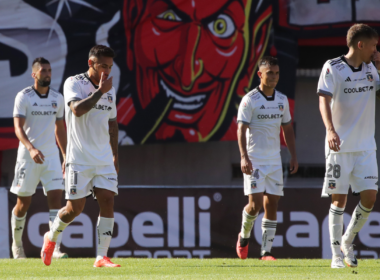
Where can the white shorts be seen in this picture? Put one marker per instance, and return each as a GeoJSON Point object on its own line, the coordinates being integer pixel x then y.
{"type": "Point", "coordinates": [264, 179]}
{"type": "Point", "coordinates": [28, 174]}
{"type": "Point", "coordinates": [356, 169]}
{"type": "Point", "coordinates": [81, 180]}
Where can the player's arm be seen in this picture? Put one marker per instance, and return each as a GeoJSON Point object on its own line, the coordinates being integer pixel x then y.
{"type": "Point", "coordinates": [114, 137]}
{"type": "Point", "coordinates": [290, 141]}
{"type": "Point", "coordinates": [245, 163]}
{"type": "Point", "coordinates": [324, 107]}
{"type": "Point", "coordinates": [81, 107]}
{"type": "Point", "coordinates": [35, 154]}
{"type": "Point", "coordinates": [61, 136]}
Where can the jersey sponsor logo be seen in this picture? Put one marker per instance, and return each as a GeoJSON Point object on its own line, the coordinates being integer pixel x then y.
{"type": "Point", "coordinates": [57, 179]}
{"type": "Point", "coordinates": [281, 107]}
{"type": "Point", "coordinates": [35, 104]}
{"type": "Point", "coordinates": [90, 94]}
{"type": "Point", "coordinates": [102, 107]}
{"type": "Point", "coordinates": [348, 79]}
{"type": "Point", "coordinates": [112, 179]}
{"type": "Point", "coordinates": [54, 104]}
{"type": "Point", "coordinates": [332, 184]}
{"type": "Point", "coordinates": [327, 72]}
{"type": "Point", "coordinates": [340, 67]}
{"type": "Point", "coordinates": [370, 77]}
{"type": "Point", "coordinates": [43, 113]}
{"type": "Point", "coordinates": [358, 90]}
{"type": "Point", "coordinates": [269, 116]}
{"type": "Point", "coordinates": [370, 177]}
{"type": "Point", "coordinates": [262, 107]}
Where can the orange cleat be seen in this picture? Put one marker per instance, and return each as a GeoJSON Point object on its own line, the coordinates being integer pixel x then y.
{"type": "Point", "coordinates": [105, 262]}
{"type": "Point", "coordinates": [242, 247]}
{"type": "Point", "coordinates": [47, 250]}
{"type": "Point", "coordinates": [267, 257]}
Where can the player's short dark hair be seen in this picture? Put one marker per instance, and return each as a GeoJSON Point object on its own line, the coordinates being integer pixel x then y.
{"type": "Point", "coordinates": [268, 61]}
{"type": "Point", "coordinates": [100, 50]}
{"type": "Point", "coordinates": [359, 32]}
{"type": "Point", "coordinates": [40, 60]}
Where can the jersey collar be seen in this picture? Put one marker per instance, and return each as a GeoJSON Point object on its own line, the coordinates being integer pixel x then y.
{"type": "Point", "coordinates": [271, 98]}
{"type": "Point", "coordinates": [88, 78]}
{"type": "Point", "coordinates": [41, 95]}
{"type": "Point", "coordinates": [359, 69]}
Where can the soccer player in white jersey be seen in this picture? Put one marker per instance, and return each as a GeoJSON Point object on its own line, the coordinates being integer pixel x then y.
{"type": "Point", "coordinates": [262, 113]}
{"type": "Point", "coordinates": [347, 93]}
{"type": "Point", "coordinates": [38, 120]}
{"type": "Point", "coordinates": [92, 151]}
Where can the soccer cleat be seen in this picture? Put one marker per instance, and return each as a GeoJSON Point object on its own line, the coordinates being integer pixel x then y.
{"type": "Point", "coordinates": [105, 262]}
{"type": "Point", "coordinates": [18, 252]}
{"type": "Point", "coordinates": [349, 256]}
{"type": "Point", "coordinates": [337, 262]}
{"type": "Point", "coordinates": [47, 250]}
{"type": "Point", "coordinates": [267, 257]}
{"type": "Point", "coordinates": [242, 247]}
{"type": "Point", "coordinates": [57, 254]}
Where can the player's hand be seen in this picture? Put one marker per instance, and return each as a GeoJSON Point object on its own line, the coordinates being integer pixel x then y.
{"type": "Point", "coordinates": [376, 59]}
{"type": "Point", "coordinates": [37, 156]}
{"type": "Point", "coordinates": [116, 163]}
{"type": "Point", "coordinates": [246, 165]}
{"type": "Point", "coordinates": [333, 140]}
{"type": "Point", "coordinates": [105, 85]}
{"type": "Point", "coordinates": [293, 166]}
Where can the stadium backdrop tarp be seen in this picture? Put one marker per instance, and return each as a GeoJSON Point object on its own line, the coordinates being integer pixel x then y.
{"type": "Point", "coordinates": [181, 68]}
{"type": "Point", "coordinates": [196, 222]}
{"type": "Point", "coordinates": [4, 224]}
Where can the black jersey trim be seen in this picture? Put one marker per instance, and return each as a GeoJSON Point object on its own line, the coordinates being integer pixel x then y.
{"type": "Point", "coordinates": [61, 118]}
{"type": "Point", "coordinates": [41, 95]}
{"type": "Point", "coordinates": [19, 116]}
{"type": "Point", "coordinates": [88, 78]}
{"type": "Point", "coordinates": [285, 123]}
{"type": "Point", "coordinates": [112, 120]}
{"type": "Point", "coordinates": [359, 69]}
{"type": "Point", "coordinates": [270, 98]}
{"type": "Point", "coordinates": [321, 91]}
{"type": "Point", "coordinates": [243, 122]}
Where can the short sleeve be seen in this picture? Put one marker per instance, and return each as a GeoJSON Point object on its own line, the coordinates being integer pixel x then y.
{"type": "Point", "coordinates": [245, 111]}
{"type": "Point", "coordinates": [286, 117]}
{"type": "Point", "coordinates": [326, 84]}
{"type": "Point", "coordinates": [113, 114]}
{"type": "Point", "coordinates": [71, 91]}
{"type": "Point", "coordinates": [61, 109]}
{"type": "Point", "coordinates": [21, 102]}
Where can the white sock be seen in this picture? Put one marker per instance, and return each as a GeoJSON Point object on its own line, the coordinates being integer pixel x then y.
{"type": "Point", "coordinates": [18, 225]}
{"type": "Point", "coordinates": [56, 229]}
{"type": "Point", "coordinates": [268, 228]}
{"type": "Point", "coordinates": [247, 224]}
{"type": "Point", "coordinates": [336, 228]}
{"type": "Point", "coordinates": [359, 218]}
{"type": "Point", "coordinates": [105, 230]}
{"type": "Point", "coordinates": [52, 214]}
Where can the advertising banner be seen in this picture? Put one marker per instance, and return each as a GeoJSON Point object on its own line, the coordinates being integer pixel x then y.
{"type": "Point", "coordinates": [199, 223]}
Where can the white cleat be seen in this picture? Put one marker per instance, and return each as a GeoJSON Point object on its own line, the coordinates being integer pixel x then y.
{"type": "Point", "coordinates": [349, 256]}
{"type": "Point", "coordinates": [57, 254]}
{"type": "Point", "coordinates": [18, 252]}
{"type": "Point", "coordinates": [337, 262]}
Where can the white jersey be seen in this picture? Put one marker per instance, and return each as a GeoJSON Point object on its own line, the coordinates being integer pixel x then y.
{"type": "Point", "coordinates": [40, 111]}
{"type": "Point", "coordinates": [353, 93]}
{"type": "Point", "coordinates": [88, 139]}
{"type": "Point", "coordinates": [264, 115]}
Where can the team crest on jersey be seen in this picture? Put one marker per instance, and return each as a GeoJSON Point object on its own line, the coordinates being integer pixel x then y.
{"type": "Point", "coordinates": [327, 72]}
{"type": "Point", "coordinates": [109, 98]}
{"type": "Point", "coordinates": [332, 185]}
{"type": "Point", "coordinates": [253, 185]}
{"type": "Point", "coordinates": [73, 190]}
{"type": "Point", "coordinates": [370, 77]}
{"type": "Point", "coordinates": [281, 107]}
{"type": "Point", "coordinates": [54, 104]}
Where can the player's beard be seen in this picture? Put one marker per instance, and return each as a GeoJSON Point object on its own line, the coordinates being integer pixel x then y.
{"type": "Point", "coordinates": [43, 83]}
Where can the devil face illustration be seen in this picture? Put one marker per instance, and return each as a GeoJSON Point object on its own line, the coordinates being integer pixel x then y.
{"type": "Point", "coordinates": [193, 52]}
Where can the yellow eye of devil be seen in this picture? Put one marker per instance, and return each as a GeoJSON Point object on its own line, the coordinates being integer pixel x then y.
{"type": "Point", "coordinates": [169, 16]}
{"type": "Point", "coordinates": [220, 26]}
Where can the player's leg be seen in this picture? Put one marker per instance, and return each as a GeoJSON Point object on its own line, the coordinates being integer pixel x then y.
{"type": "Point", "coordinates": [269, 225]}
{"type": "Point", "coordinates": [274, 189]}
{"type": "Point", "coordinates": [54, 198]}
{"type": "Point", "coordinates": [27, 176]}
{"type": "Point", "coordinates": [364, 181]}
{"type": "Point", "coordinates": [105, 189]}
{"type": "Point", "coordinates": [338, 204]}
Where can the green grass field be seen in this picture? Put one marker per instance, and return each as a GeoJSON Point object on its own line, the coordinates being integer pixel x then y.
{"type": "Point", "coordinates": [186, 269]}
